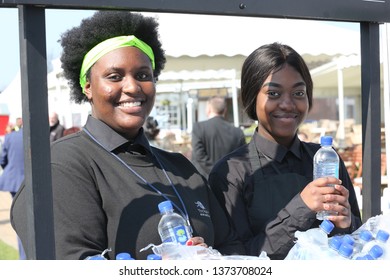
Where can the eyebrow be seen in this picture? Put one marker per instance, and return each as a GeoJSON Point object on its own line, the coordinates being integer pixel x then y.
{"type": "Point", "coordinates": [272, 84]}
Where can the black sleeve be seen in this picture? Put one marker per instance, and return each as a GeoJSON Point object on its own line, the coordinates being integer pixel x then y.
{"type": "Point", "coordinates": [278, 236]}
{"type": "Point", "coordinates": [226, 240]}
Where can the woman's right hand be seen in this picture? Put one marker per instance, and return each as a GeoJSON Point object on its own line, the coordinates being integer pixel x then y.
{"type": "Point", "coordinates": [196, 241]}
{"type": "Point", "coordinates": [316, 194]}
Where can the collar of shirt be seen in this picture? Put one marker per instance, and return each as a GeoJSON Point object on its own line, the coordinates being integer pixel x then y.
{"type": "Point", "coordinates": [275, 151]}
{"type": "Point", "coordinates": [112, 140]}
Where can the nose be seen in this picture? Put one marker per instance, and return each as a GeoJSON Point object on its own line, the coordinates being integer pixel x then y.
{"type": "Point", "coordinates": [130, 85]}
{"type": "Point", "coordinates": [287, 102]}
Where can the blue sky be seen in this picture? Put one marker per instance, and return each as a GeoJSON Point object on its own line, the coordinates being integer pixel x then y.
{"type": "Point", "coordinates": [57, 21]}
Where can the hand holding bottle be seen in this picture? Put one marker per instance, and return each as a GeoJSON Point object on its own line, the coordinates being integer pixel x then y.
{"type": "Point", "coordinates": [318, 192]}
{"type": "Point", "coordinates": [342, 207]}
{"type": "Point", "coordinates": [319, 196]}
{"type": "Point", "coordinates": [196, 241]}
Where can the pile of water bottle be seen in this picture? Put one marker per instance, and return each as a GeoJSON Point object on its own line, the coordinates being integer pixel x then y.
{"type": "Point", "coordinates": [369, 242]}
{"type": "Point", "coordinates": [174, 231]}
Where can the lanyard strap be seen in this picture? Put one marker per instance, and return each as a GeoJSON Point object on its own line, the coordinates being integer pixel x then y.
{"type": "Point", "coordinates": [183, 213]}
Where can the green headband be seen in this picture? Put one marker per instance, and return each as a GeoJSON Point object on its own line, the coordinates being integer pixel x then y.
{"type": "Point", "coordinates": [109, 45]}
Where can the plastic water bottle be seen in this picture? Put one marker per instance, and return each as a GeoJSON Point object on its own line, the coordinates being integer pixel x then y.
{"type": "Point", "coordinates": [124, 256]}
{"type": "Point", "coordinates": [319, 236]}
{"type": "Point", "coordinates": [154, 257]}
{"type": "Point", "coordinates": [326, 164]}
{"type": "Point", "coordinates": [346, 250]}
{"type": "Point", "coordinates": [98, 257]}
{"type": "Point", "coordinates": [378, 247]}
{"type": "Point", "coordinates": [347, 238]}
{"type": "Point", "coordinates": [335, 242]}
{"type": "Point", "coordinates": [383, 239]}
{"type": "Point", "coordinates": [364, 237]}
{"type": "Point", "coordinates": [172, 226]}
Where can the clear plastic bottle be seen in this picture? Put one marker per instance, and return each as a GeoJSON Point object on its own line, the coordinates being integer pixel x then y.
{"type": "Point", "coordinates": [383, 238]}
{"type": "Point", "coordinates": [98, 257]}
{"type": "Point", "coordinates": [365, 236]}
{"type": "Point", "coordinates": [334, 244]}
{"type": "Point", "coordinates": [345, 251]}
{"type": "Point", "coordinates": [325, 164]}
{"type": "Point", "coordinates": [172, 226]}
{"type": "Point", "coordinates": [319, 236]}
{"type": "Point", "coordinates": [378, 247]}
{"type": "Point", "coordinates": [124, 256]}
{"type": "Point", "coordinates": [154, 257]}
{"type": "Point", "coordinates": [347, 238]}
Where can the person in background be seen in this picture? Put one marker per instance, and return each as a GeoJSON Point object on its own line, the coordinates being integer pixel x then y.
{"type": "Point", "coordinates": [18, 124]}
{"type": "Point", "coordinates": [151, 130]}
{"type": "Point", "coordinates": [107, 180]}
{"type": "Point", "coordinates": [56, 129]}
{"type": "Point", "coordinates": [267, 185]}
{"type": "Point", "coordinates": [214, 138]}
{"type": "Point", "coordinates": [9, 128]}
{"type": "Point", "coordinates": [12, 163]}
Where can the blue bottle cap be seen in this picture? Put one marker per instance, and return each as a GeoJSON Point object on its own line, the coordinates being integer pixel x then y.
{"type": "Point", "coordinates": [365, 235]}
{"type": "Point", "coordinates": [376, 251]}
{"type": "Point", "coordinates": [164, 206]}
{"type": "Point", "coordinates": [327, 226]}
{"type": "Point", "coordinates": [335, 242]}
{"type": "Point", "coordinates": [154, 257]}
{"type": "Point", "coordinates": [124, 256]}
{"type": "Point", "coordinates": [346, 250]}
{"type": "Point", "coordinates": [348, 239]}
{"type": "Point", "coordinates": [326, 140]}
{"type": "Point", "coordinates": [382, 235]}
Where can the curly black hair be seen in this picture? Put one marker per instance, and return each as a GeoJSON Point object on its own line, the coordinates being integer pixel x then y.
{"type": "Point", "coordinates": [102, 25]}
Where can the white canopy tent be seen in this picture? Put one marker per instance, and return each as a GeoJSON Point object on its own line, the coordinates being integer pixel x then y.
{"type": "Point", "coordinates": [201, 36]}
{"type": "Point", "coordinates": [189, 36]}
{"type": "Point", "coordinates": [195, 35]}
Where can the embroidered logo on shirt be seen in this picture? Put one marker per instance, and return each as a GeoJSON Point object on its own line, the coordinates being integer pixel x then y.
{"type": "Point", "coordinates": [202, 210]}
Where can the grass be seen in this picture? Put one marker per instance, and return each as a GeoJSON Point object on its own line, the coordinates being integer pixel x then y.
{"type": "Point", "coordinates": [7, 252]}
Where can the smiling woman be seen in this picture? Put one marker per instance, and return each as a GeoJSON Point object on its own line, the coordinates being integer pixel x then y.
{"type": "Point", "coordinates": [267, 186]}
{"type": "Point", "coordinates": [107, 179]}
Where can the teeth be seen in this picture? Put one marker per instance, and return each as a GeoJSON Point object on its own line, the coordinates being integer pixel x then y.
{"type": "Point", "coordinates": [130, 104]}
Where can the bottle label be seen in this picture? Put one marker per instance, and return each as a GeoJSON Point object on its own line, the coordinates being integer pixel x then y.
{"type": "Point", "coordinates": [178, 235]}
{"type": "Point", "coordinates": [326, 170]}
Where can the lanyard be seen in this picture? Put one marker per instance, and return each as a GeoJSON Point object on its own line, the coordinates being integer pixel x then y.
{"type": "Point", "coordinates": [183, 212]}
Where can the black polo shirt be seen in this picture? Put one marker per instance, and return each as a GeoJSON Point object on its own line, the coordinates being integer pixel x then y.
{"type": "Point", "coordinates": [100, 203]}
{"type": "Point", "coordinates": [232, 179]}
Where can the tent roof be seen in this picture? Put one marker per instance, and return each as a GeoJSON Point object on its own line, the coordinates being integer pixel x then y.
{"type": "Point", "coordinates": [195, 35]}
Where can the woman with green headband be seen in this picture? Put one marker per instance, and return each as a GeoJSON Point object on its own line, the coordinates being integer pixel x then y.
{"type": "Point", "coordinates": [107, 180]}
